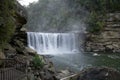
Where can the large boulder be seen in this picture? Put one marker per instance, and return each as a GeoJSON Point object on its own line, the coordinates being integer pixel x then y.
{"type": "Point", "coordinates": [30, 51]}
{"type": "Point", "coordinates": [99, 74]}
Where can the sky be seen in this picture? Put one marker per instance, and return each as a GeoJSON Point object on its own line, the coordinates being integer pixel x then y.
{"type": "Point", "coordinates": [26, 2]}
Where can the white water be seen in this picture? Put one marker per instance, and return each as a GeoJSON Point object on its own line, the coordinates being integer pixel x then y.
{"type": "Point", "coordinates": [53, 43]}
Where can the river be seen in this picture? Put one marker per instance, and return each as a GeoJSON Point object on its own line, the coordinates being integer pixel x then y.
{"type": "Point", "coordinates": [78, 61]}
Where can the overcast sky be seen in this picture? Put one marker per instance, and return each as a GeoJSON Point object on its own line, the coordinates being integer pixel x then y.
{"type": "Point", "coordinates": [26, 2]}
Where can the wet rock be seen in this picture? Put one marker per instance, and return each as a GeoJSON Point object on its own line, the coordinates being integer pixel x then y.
{"type": "Point", "coordinates": [30, 51]}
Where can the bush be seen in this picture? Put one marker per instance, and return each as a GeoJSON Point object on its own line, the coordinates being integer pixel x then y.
{"type": "Point", "coordinates": [38, 62]}
{"type": "Point", "coordinates": [94, 23]}
{"type": "Point", "coordinates": [98, 8]}
{"type": "Point", "coordinates": [7, 23]}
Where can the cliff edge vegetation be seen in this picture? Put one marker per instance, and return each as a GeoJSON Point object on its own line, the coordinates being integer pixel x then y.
{"type": "Point", "coordinates": [7, 23]}
{"type": "Point", "coordinates": [97, 12]}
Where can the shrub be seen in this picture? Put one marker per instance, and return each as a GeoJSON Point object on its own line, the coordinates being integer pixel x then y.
{"type": "Point", "coordinates": [7, 23]}
{"type": "Point", "coordinates": [38, 62]}
{"type": "Point", "coordinates": [98, 8]}
{"type": "Point", "coordinates": [94, 23]}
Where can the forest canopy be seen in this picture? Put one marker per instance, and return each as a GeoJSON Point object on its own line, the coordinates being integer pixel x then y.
{"type": "Point", "coordinates": [98, 10]}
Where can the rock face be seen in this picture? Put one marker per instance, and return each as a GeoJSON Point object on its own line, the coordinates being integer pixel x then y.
{"type": "Point", "coordinates": [109, 39]}
{"type": "Point", "coordinates": [17, 49]}
{"type": "Point", "coordinates": [2, 56]}
{"type": "Point", "coordinates": [19, 39]}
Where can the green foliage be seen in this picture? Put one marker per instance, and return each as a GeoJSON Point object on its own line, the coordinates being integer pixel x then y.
{"type": "Point", "coordinates": [95, 25]}
{"type": "Point", "coordinates": [113, 5]}
{"type": "Point", "coordinates": [38, 62]}
{"type": "Point", "coordinates": [7, 25]}
{"type": "Point", "coordinates": [6, 30]}
{"type": "Point", "coordinates": [98, 8]}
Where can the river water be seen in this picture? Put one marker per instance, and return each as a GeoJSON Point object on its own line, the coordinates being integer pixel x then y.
{"type": "Point", "coordinates": [78, 61]}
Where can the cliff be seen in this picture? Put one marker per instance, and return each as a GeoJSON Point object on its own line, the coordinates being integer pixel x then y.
{"type": "Point", "coordinates": [12, 18]}
{"type": "Point", "coordinates": [108, 40]}
{"type": "Point", "coordinates": [13, 43]}
{"type": "Point", "coordinates": [17, 40]}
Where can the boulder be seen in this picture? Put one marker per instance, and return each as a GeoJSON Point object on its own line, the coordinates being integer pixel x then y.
{"type": "Point", "coordinates": [23, 29]}
{"type": "Point", "coordinates": [30, 51]}
{"type": "Point", "coordinates": [21, 14]}
{"type": "Point", "coordinates": [99, 73]}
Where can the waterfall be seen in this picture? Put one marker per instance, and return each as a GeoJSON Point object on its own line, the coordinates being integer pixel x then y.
{"type": "Point", "coordinates": [52, 43]}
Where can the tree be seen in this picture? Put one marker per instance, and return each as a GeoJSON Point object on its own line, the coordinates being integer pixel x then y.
{"type": "Point", "coordinates": [7, 24]}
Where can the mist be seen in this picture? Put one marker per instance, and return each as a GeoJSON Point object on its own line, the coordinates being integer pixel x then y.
{"type": "Point", "coordinates": [56, 16]}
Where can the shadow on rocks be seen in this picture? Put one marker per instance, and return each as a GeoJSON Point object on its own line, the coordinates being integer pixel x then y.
{"type": "Point", "coordinates": [99, 74]}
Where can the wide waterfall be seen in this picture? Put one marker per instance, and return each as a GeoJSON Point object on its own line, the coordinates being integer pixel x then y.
{"type": "Point", "coordinates": [53, 43]}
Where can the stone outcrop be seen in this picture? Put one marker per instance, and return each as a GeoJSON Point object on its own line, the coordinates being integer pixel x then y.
{"type": "Point", "coordinates": [19, 39]}
{"type": "Point", "coordinates": [99, 74]}
{"type": "Point", "coordinates": [108, 40]}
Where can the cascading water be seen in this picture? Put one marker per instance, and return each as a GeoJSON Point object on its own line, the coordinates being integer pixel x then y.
{"type": "Point", "coordinates": [52, 43]}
